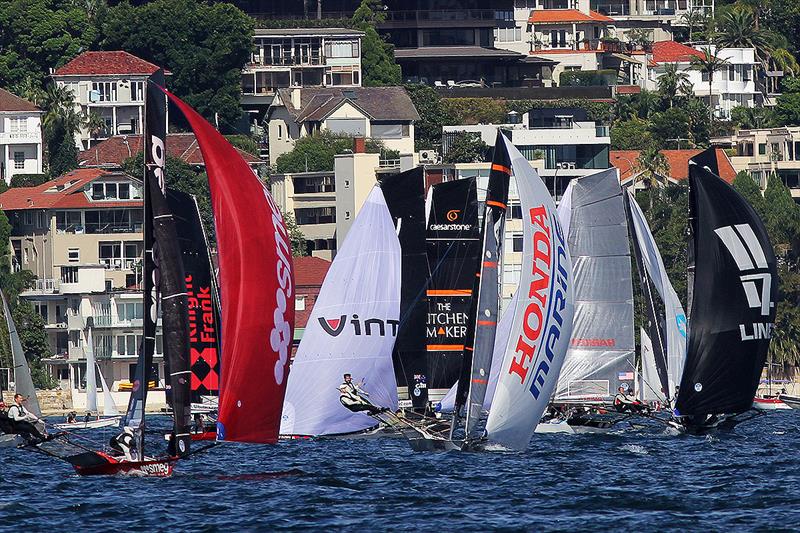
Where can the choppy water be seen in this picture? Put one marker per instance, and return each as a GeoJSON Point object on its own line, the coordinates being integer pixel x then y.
{"type": "Point", "coordinates": [629, 482]}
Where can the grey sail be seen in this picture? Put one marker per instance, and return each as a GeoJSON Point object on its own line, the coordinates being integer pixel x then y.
{"type": "Point", "coordinates": [600, 357]}
{"type": "Point", "coordinates": [23, 383]}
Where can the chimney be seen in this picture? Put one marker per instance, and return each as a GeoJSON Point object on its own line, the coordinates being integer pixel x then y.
{"type": "Point", "coordinates": [359, 145]}
{"type": "Point", "coordinates": [296, 97]}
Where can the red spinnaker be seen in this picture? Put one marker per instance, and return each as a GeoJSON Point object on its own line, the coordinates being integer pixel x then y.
{"type": "Point", "coordinates": [257, 290]}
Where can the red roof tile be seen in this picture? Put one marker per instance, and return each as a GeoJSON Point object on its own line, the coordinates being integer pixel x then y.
{"type": "Point", "coordinates": [100, 63]}
{"type": "Point", "coordinates": [310, 271]}
{"type": "Point", "coordinates": [628, 89]}
{"type": "Point", "coordinates": [557, 16]}
{"type": "Point", "coordinates": [673, 52]}
{"type": "Point", "coordinates": [678, 160]}
{"type": "Point", "coordinates": [11, 102]}
{"type": "Point", "coordinates": [67, 191]}
{"type": "Point", "coordinates": [112, 152]}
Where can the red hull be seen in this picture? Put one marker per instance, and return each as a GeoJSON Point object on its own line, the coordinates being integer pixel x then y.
{"type": "Point", "coordinates": [115, 467]}
{"type": "Point", "coordinates": [208, 435]}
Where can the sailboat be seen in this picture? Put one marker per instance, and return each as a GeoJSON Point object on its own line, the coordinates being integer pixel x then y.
{"type": "Point", "coordinates": [542, 320]}
{"type": "Point", "coordinates": [23, 383]}
{"type": "Point", "coordinates": [733, 282]}
{"type": "Point", "coordinates": [110, 413]}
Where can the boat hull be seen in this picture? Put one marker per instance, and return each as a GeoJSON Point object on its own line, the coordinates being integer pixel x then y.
{"type": "Point", "coordinates": [111, 466]}
{"type": "Point", "coordinates": [769, 404]}
{"type": "Point", "coordinates": [91, 424]}
{"type": "Point", "coordinates": [791, 401]}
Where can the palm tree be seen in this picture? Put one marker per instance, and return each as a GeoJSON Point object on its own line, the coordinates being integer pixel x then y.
{"type": "Point", "coordinates": [58, 104]}
{"type": "Point", "coordinates": [737, 29]}
{"type": "Point", "coordinates": [653, 169]}
{"type": "Point", "coordinates": [708, 64]}
{"type": "Point", "coordinates": [673, 82]}
{"type": "Point", "coordinates": [94, 123]}
{"type": "Point", "coordinates": [694, 18]}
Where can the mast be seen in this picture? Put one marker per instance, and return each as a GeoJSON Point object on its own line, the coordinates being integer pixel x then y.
{"type": "Point", "coordinates": [482, 327]}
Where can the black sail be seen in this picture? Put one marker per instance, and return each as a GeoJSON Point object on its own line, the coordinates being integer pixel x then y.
{"type": "Point", "coordinates": [453, 250]}
{"type": "Point", "coordinates": [405, 198]}
{"type": "Point", "coordinates": [202, 294]}
{"type": "Point", "coordinates": [164, 276]}
{"type": "Point", "coordinates": [479, 345]}
{"type": "Point", "coordinates": [733, 299]}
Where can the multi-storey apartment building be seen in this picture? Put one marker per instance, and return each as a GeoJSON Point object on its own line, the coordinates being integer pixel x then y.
{"type": "Point", "coordinates": [110, 84]}
{"type": "Point", "coordinates": [20, 137]}
{"type": "Point", "coordinates": [81, 234]}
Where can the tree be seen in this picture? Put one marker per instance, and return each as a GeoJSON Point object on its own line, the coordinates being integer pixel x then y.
{"type": "Point", "coordinates": [751, 117]}
{"type": "Point", "coordinates": [787, 106]}
{"type": "Point", "coordinates": [94, 123]}
{"type": "Point", "coordinates": [28, 180]}
{"type": "Point", "coordinates": [62, 151]}
{"type": "Point", "coordinates": [674, 82]}
{"type": "Point", "coordinates": [708, 64]}
{"type": "Point", "coordinates": [737, 29]}
{"type": "Point", "coordinates": [749, 189]}
{"type": "Point", "coordinates": [693, 19]}
{"type": "Point", "coordinates": [378, 66]}
{"type": "Point", "coordinates": [204, 45]}
{"type": "Point", "coordinates": [653, 169]}
{"type": "Point", "coordinates": [316, 153]}
{"type": "Point", "coordinates": [37, 35]}
{"type": "Point", "coordinates": [433, 116]}
{"type": "Point", "coordinates": [699, 127]}
{"type": "Point", "coordinates": [782, 214]}
{"type": "Point", "coordinates": [630, 135]}
{"type": "Point", "coordinates": [296, 236]}
{"type": "Point", "coordinates": [467, 147]}
{"type": "Point", "coordinates": [33, 336]}
{"type": "Point", "coordinates": [670, 128]}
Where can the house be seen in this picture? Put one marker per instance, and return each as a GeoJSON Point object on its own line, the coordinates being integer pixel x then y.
{"type": "Point", "coordinates": [112, 152]}
{"type": "Point", "coordinates": [734, 85]}
{"type": "Point", "coordinates": [309, 273]}
{"type": "Point", "coordinates": [110, 84]}
{"type": "Point", "coordinates": [569, 144]}
{"type": "Point", "coordinates": [81, 235]}
{"type": "Point", "coordinates": [766, 151]}
{"type": "Point", "coordinates": [20, 137]}
{"type": "Point", "coordinates": [626, 161]}
{"type": "Point", "coordinates": [385, 114]}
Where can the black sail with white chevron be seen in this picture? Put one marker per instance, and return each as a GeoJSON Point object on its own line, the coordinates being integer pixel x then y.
{"type": "Point", "coordinates": [733, 299]}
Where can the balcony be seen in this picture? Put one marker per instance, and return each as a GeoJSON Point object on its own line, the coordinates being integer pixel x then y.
{"type": "Point", "coordinates": [43, 287]}
{"type": "Point", "coordinates": [436, 18]}
{"type": "Point", "coordinates": [60, 323]}
{"type": "Point", "coordinates": [118, 263]}
{"type": "Point", "coordinates": [21, 137]}
{"type": "Point", "coordinates": [75, 320]}
{"type": "Point", "coordinates": [291, 61]}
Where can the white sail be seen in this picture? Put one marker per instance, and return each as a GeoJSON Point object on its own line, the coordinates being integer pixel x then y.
{"type": "Point", "coordinates": [675, 319]}
{"type": "Point", "coordinates": [650, 387]}
{"type": "Point", "coordinates": [91, 379]}
{"type": "Point", "coordinates": [542, 323]}
{"type": "Point", "coordinates": [352, 329]}
{"type": "Point", "coordinates": [602, 348]}
{"type": "Point", "coordinates": [109, 407]}
{"type": "Point", "coordinates": [447, 404]}
{"type": "Point", "coordinates": [23, 383]}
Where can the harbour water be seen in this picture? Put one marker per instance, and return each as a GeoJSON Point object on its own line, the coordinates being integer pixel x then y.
{"type": "Point", "coordinates": [631, 481]}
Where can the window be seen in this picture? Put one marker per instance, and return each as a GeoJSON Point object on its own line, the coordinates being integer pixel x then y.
{"type": "Point", "coordinates": [762, 148]}
{"type": "Point", "coordinates": [41, 219]}
{"type": "Point", "coordinates": [73, 255]}
{"type": "Point", "coordinates": [508, 35]}
{"type": "Point", "coordinates": [115, 191]}
{"type": "Point", "coordinates": [110, 254]}
{"type": "Point", "coordinates": [137, 91]}
{"type": "Point", "coordinates": [69, 221]}
{"type": "Point", "coordinates": [300, 303]}
{"type": "Point", "coordinates": [315, 215]}
{"type": "Point", "coordinates": [517, 242]}
{"type": "Point", "coordinates": [106, 90]}
{"type": "Point", "coordinates": [69, 274]}
{"type": "Point", "coordinates": [124, 191]}
{"type": "Point", "coordinates": [731, 73]}
{"type": "Point", "coordinates": [511, 273]}
{"type": "Point", "coordinates": [130, 311]}
{"type": "Point", "coordinates": [514, 210]}
{"type": "Point", "coordinates": [313, 184]}
{"type": "Point", "coordinates": [41, 309]}
{"type": "Point", "coordinates": [387, 131]}
{"type": "Point", "coordinates": [341, 49]}
{"type": "Point", "coordinates": [128, 345]}
{"type": "Point", "coordinates": [27, 218]}
{"type": "Point", "coordinates": [280, 131]}
{"type": "Point", "coordinates": [19, 160]}
{"type": "Point", "coordinates": [19, 125]}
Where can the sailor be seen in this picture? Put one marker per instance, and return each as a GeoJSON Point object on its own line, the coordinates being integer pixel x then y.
{"type": "Point", "coordinates": [6, 424]}
{"type": "Point", "coordinates": [627, 404]}
{"type": "Point", "coordinates": [124, 443]}
{"type": "Point", "coordinates": [354, 398]}
{"type": "Point", "coordinates": [72, 416]}
{"type": "Point", "coordinates": [24, 420]}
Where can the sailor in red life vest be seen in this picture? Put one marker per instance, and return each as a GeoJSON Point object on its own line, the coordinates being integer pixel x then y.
{"type": "Point", "coordinates": [626, 404]}
{"type": "Point", "coordinates": [354, 397]}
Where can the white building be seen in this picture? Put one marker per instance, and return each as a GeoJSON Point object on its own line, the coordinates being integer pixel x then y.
{"type": "Point", "coordinates": [111, 84]}
{"type": "Point", "coordinates": [734, 85]}
{"type": "Point", "coordinates": [385, 114]}
{"type": "Point", "coordinates": [20, 137]}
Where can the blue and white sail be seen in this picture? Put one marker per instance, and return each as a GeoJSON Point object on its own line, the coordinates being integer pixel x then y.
{"type": "Point", "coordinates": [352, 330]}
{"type": "Point", "coordinates": [542, 324]}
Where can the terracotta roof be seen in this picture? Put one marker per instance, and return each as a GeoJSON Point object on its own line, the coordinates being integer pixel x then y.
{"type": "Point", "coordinates": [310, 271]}
{"type": "Point", "coordinates": [628, 89]}
{"type": "Point", "coordinates": [558, 16]}
{"type": "Point", "coordinates": [673, 52]}
{"type": "Point", "coordinates": [678, 160]}
{"type": "Point", "coordinates": [11, 102]}
{"type": "Point", "coordinates": [65, 192]}
{"type": "Point", "coordinates": [112, 152]}
{"type": "Point", "coordinates": [378, 103]}
{"type": "Point", "coordinates": [100, 63]}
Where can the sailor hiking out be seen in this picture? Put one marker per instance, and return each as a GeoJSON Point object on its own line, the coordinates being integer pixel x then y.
{"type": "Point", "coordinates": [23, 422]}
{"type": "Point", "coordinates": [124, 444]}
{"type": "Point", "coordinates": [353, 397]}
{"type": "Point", "coordinates": [624, 403]}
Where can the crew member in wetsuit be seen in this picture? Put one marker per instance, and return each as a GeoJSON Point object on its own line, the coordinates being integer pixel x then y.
{"type": "Point", "coordinates": [354, 398]}
{"type": "Point", "coordinates": [124, 443]}
{"type": "Point", "coordinates": [626, 404]}
{"type": "Point", "coordinates": [24, 420]}
{"type": "Point", "coordinates": [6, 424]}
